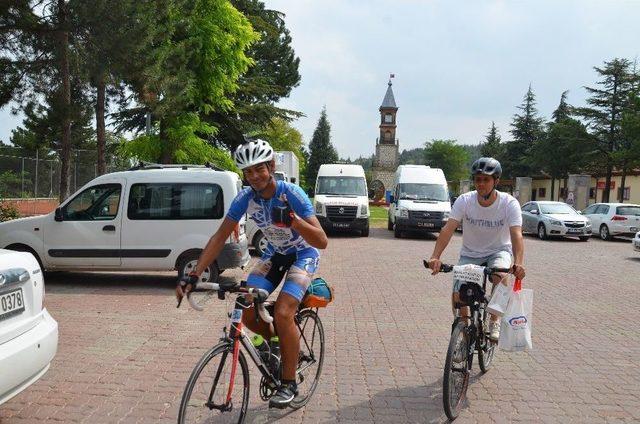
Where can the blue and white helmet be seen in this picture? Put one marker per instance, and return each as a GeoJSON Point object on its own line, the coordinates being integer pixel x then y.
{"type": "Point", "coordinates": [253, 153]}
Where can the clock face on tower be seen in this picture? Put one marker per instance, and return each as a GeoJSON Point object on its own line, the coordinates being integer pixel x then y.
{"type": "Point", "coordinates": [388, 118]}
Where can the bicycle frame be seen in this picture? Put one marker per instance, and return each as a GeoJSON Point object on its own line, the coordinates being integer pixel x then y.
{"type": "Point", "coordinates": [474, 329]}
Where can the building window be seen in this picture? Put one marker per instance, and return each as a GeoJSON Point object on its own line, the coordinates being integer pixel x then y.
{"type": "Point", "coordinates": [563, 192]}
{"type": "Point", "coordinates": [387, 136]}
{"type": "Point", "coordinates": [627, 193]}
{"type": "Point", "coordinates": [592, 193]}
{"type": "Point", "coordinates": [542, 192]}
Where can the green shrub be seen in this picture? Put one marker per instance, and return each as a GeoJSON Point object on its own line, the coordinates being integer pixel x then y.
{"type": "Point", "coordinates": [8, 211]}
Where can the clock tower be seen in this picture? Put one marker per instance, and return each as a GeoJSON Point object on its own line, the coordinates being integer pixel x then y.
{"type": "Point", "coordinates": [387, 156]}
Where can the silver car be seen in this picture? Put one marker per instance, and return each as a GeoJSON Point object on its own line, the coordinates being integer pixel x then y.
{"type": "Point", "coordinates": [554, 219]}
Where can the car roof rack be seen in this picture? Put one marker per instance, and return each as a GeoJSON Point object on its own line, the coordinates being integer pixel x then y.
{"type": "Point", "coordinates": [149, 165]}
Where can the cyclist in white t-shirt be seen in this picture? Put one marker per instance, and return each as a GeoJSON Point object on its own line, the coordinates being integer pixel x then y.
{"type": "Point", "coordinates": [492, 231]}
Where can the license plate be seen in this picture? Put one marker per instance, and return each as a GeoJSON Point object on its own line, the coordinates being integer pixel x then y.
{"type": "Point", "coordinates": [11, 303]}
{"type": "Point", "coordinates": [574, 230]}
{"type": "Point", "coordinates": [340, 225]}
{"type": "Point", "coordinates": [426, 224]}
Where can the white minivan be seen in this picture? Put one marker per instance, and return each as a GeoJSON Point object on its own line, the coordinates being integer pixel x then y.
{"type": "Point", "coordinates": [340, 198]}
{"type": "Point", "coordinates": [150, 218]}
{"type": "Point", "coordinates": [420, 200]}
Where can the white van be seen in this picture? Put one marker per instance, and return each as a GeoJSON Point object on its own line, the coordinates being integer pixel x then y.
{"type": "Point", "coordinates": [150, 218]}
{"type": "Point", "coordinates": [340, 198]}
{"type": "Point", "coordinates": [420, 200]}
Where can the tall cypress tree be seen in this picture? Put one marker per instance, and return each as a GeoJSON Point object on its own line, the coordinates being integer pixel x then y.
{"type": "Point", "coordinates": [321, 150]}
{"type": "Point", "coordinates": [605, 112]}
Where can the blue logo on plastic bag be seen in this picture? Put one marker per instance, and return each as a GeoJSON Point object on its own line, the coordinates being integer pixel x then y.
{"type": "Point", "coordinates": [519, 321]}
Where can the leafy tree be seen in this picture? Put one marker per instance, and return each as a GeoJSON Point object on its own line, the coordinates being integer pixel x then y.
{"type": "Point", "coordinates": [412, 156]}
{"type": "Point", "coordinates": [527, 128]}
{"type": "Point", "coordinates": [605, 113]}
{"type": "Point", "coordinates": [35, 61]}
{"type": "Point", "coordinates": [283, 137]}
{"type": "Point", "coordinates": [321, 150]}
{"type": "Point", "coordinates": [448, 156]}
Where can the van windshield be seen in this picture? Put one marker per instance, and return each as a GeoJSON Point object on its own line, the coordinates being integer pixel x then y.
{"type": "Point", "coordinates": [414, 191]}
{"type": "Point", "coordinates": [349, 186]}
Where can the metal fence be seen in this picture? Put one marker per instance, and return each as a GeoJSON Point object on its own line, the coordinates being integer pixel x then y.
{"type": "Point", "coordinates": [27, 174]}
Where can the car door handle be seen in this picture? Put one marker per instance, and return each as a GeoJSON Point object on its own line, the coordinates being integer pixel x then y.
{"type": "Point", "coordinates": [109, 228]}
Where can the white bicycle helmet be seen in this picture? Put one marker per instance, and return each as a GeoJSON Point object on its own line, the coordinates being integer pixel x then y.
{"type": "Point", "coordinates": [252, 153]}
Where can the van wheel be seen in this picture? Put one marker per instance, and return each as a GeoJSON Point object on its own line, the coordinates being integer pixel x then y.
{"type": "Point", "coordinates": [365, 232]}
{"type": "Point", "coordinates": [396, 232]}
{"type": "Point", "coordinates": [260, 243]}
{"type": "Point", "coordinates": [25, 248]}
{"type": "Point", "coordinates": [188, 264]}
{"type": "Point", "coordinates": [389, 224]}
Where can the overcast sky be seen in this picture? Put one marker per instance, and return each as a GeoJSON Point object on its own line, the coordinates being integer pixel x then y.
{"type": "Point", "coordinates": [457, 65]}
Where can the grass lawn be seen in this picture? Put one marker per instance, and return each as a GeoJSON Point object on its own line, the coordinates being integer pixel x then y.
{"type": "Point", "coordinates": [378, 217]}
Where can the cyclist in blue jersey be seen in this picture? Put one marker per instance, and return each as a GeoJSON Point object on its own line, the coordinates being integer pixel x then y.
{"type": "Point", "coordinates": [286, 216]}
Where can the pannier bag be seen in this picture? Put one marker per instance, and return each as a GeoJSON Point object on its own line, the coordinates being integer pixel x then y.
{"type": "Point", "coordinates": [319, 294]}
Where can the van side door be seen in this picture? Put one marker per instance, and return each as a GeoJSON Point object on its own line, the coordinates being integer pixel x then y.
{"type": "Point", "coordinates": [88, 236]}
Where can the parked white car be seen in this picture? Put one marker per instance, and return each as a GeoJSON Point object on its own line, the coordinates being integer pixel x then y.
{"type": "Point", "coordinates": [153, 218]}
{"type": "Point", "coordinates": [613, 219]}
{"type": "Point", "coordinates": [636, 242]}
{"type": "Point", "coordinates": [28, 334]}
{"type": "Point", "coordinates": [554, 219]}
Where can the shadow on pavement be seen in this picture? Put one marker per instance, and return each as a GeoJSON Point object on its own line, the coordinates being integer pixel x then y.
{"type": "Point", "coordinates": [404, 405]}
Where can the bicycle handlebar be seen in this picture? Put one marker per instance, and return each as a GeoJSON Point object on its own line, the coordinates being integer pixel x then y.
{"type": "Point", "coordinates": [487, 271]}
{"type": "Point", "coordinates": [259, 297]}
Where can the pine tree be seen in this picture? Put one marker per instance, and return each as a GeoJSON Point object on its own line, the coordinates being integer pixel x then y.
{"type": "Point", "coordinates": [607, 106]}
{"type": "Point", "coordinates": [321, 150]}
{"type": "Point", "coordinates": [492, 147]}
{"type": "Point", "coordinates": [527, 128]}
{"type": "Point", "coordinates": [563, 111]}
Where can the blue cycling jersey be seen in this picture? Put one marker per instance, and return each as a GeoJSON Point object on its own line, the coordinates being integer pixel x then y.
{"type": "Point", "coordinates": [281, 240]}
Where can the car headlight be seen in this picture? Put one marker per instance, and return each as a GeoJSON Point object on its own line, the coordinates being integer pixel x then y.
{"type": "Point", "coordinates": [554, 222]}
{"type": "Point", "coordinates": [403, 213]}
{"type": "Point", "coordinates": [364, 210]}
{"type": "Point", "coordinates": [318, 208]}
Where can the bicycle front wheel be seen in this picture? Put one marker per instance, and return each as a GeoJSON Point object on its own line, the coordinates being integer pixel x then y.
{"type": "Point", "coordinates": [456, 372]}
{"type": "Point", "coordinates": [486, 347]}
{"type": "Point", "coordinates": [311, 356]}
{"type": "Point", "coordinates": [217, 391]}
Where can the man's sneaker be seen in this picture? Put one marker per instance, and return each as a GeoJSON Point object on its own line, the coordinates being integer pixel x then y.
{"type": "Point", "coordinates": [283, 397]}
{"type": "Point", "coordinates": [494, 330]}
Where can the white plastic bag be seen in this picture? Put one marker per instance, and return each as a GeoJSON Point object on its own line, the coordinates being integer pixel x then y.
{"type": "Point", "coordinates": [500, 299]}
{"type": "Point", "coordinates": [515, 328]}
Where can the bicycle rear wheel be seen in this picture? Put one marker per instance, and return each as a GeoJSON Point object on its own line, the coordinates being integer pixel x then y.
{"type": "Point", "coordinates": [205, 396]}
{"type": "Point", "coordinates": [311, 356]}
{"type": "Point", "coordinates": [456, 372]}
{"type": "Point", "coordinates": [486, 347]}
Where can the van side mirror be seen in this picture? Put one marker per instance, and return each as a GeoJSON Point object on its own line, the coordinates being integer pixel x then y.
{"type": "Point", "coordinates": [535, 211]}
{"type": "Point", "coordinates": [579, 212]}
{"type": "Point", "coordinates": [293, 180]}
{"type": "Point", "coordinates": [392, 199]}
{"type": "Point", "coordinates": [58, 215]}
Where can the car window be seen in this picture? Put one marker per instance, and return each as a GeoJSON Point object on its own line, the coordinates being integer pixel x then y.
{"type": "Point", "coordinates": [590, 210]}
{"type": "Point", "coordinates": [628, 210]}
{"type": "Point", "coordinates": [527, 207]}
{"type": "Point", "coordinates": [602, 209]}
{"type": "Point", "coordinates": [175, 201]}
{"type": "Point", "coordinates": [557, 208]}
{"type": "Point", "coordinates": [97, 203]}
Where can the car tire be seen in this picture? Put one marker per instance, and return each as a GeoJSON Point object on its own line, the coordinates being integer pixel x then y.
{"type": "Point", "coordinates": [188, 264]}
{"type": "Point", "coordinates": [584, 238]}
{"type": "Point", "coordinates": [542, 232]}
{"type": "Point", "coordinates": [365, 232]}
{"type": "Point", "coordinates": [260, 243]}
{"type": "Point", "coordinates": [604, 232]}
{"type": "Point", "coordinates": [24, 248]}
{"type": "Point", "coordinates": [396, 232]}
{"type": "Point", "coordinates": [389, 224]}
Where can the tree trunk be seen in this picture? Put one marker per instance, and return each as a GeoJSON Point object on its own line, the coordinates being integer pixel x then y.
{"type": "Point", "coordinates": [65, 93]}
{"type": "Point", "coordinates": [166, 151]}
{"type": "Point", "coordinates": [553, 185]}
{"type": "Point", "coordinates": [100, 127]}
{"type": "Point", "coordinates": [607, 184]}
{"type": "Point", "coordinates": [622, 182]}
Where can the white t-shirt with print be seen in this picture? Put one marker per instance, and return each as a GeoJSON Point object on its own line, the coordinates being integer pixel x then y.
{"type": "Point", "coordinates": [485, 230]}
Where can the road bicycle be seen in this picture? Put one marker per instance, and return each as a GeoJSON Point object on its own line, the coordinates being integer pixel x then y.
{"type": "Point", "coordinates": [218, 388]}
{"type": "Point", "coordinates": [467, 335]}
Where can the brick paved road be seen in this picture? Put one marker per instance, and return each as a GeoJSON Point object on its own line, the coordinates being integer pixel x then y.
{"type": "Point", "coordinates": [125, 350]}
